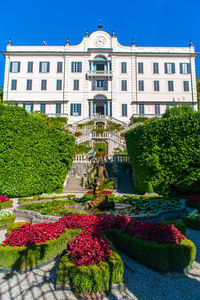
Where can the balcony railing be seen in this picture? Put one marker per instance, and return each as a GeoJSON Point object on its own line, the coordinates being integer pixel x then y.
{"type": "Point", "coordinates": [99, 73]}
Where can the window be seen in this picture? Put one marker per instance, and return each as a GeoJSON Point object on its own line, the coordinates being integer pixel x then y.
{"type": "Point", "coordinates": [29, 84]}
{"type": "Point", "coordinates": [155, 68]}
{"type": "Point", "coordinates": [75, 109]}
{"type": "Point", "coordinates": [76, 84]}
{"type": "Point", "coordinates": [170, 105]}
{"type": "Point", "coordinates": [170, 86]}
{"type": "Point", "coordinates": [156, 86]}
{"type": "Point", "coordinates": [140, 67]}
{"type": "Point", "coordinates": [13, 84]}
{"type": "Point", "coordinates": [141, 109]}
{"type": "Point", "coordinates": [15, 104]}
{"type": "Point", "coordinates": [43, 84]}
{"type": "Point", "coordinates": [59, 67]}
{"type": "Point", "coordinates": [186, 86]}
{"type": "Point", "coordinates": [59, 85]}
{"type": "Point", "coordinates": [43, 108]}
{"type": "Point", "coordinates": [185, 68]}
{"type": "Point", "coordinates": [28, 107]}
{"type": "Point", "coordinates": [99, 85]}
{"type": "Point", "coordinates": [30, 67]}
{"type": "Point", "coordinates": [123, 67]}
{"type": "Point", "coordinates": [169, 68]}
{"type": "Point", "coordinates": [124, 110]}
{"type": "Point", "coordinates": [58, 108]}
{"type": "Point", "coordinates": [124, 85]}
{"type": "Point", "coordinates": [15, 67]}
{"type": "Point", "coordinates": [157, 109]}
{"type": "Point", "coordinates": [76, 66]}
{"type": "Point", "coordinates": [44, 67]}
{"type": "Point", "coordinates": [141, 85]}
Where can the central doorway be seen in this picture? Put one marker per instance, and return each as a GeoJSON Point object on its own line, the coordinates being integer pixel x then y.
{"type": "Point", "coordinates": [100, 109]}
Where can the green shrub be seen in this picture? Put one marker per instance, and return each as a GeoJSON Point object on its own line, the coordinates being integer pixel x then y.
{"type": "Point", "coordinates": [139, 119]}
{"type": "Point", "coordinates": [6, 204]}
{"type": "Point", "coordinates": [161, 257]}
{"type": "Point", "coordinates": [6, 221]}
{"type": "Point", "coordinates": [35, 157]}
{"type": "Point", "coordinates": [165, 152]}
{"type": "Point", "coordinates": [193, 204]}
{"type": "Point", "coordinates": [192, 222]}
{"type": "Point", "coordinates": [91, 279]}
{"type": "Point", "coordinates": [179, 225]}
{"type": "Point", "coordinates": [23, 258]}
{"type": "Point", "coordinates": [84, 148]}
{"type": "Point", "coordinates": [14, 226]}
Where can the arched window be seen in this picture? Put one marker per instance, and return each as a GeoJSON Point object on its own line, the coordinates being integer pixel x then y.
{"type": "Point", "coordinates": [100, 58]}
{"type": "Point", "coordinates": [100, 97]}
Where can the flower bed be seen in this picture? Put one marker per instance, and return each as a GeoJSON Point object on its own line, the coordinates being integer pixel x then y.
{"type": "Point", "coordinates": [90, 279]}
{"type": "Point", "coordinates": [105, 192]}
{"type": "Point", "coordinates": [6, 217]}
{"type": "Point", "coordinates": [5, 202]}
{"type": "Point", "coordinates": [192, 220]}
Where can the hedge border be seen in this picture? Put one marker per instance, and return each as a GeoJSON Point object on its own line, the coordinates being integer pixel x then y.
{"type": "Point", "coordinates": [159, 257]}
{"type": "Point", "coordinates": [92, 279]}
{"type": "Point", "coordinates": [6, 221]}
{"type": "Point", "coordinates": [6, 204]}
{"type": "Point", "coordinates": [14, 226]}
{"type": "Point", "coordinates": [193, 204]}
{"type": "Point", "coordinates": [193, 223]}
{"type": "Point", "coordinates": [23, 258]}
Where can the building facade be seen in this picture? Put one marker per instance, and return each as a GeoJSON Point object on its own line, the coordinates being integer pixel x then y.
{"type": "Point", "coordinates": [100, 76]}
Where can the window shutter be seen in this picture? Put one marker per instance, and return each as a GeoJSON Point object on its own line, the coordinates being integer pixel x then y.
{"type": "Point", "coordinates": [110, 109]}
{"type": "Point", "coordinates": [181, 68]}
{"type": "Point", "coordinates": [166, 71]}
{"type": "Point", "coordinates": [31, 107]}
{"type": "Point", "coordinates": [18, 67]}
{"type": "Point", "coordinates": [79, 109]}
{"type": "Point", "coordinates": [23, 105]}
{"type": "Point", "coordinates": [72, 66]}
{"type": "Point", "coordinates": [173, 68]}
{"type": "Point", "coordinates": [11, 66]}
{"type": "Point", "coordinates": [189, 68]}
{"type": "Point", "coordinates": [40, 68]}
{"type": "Point", "coordinates": [48, 66]}
{"type": "Point", "coordinates": [80, 67]}
{"type": "Point", "coordinates": [105, 85]}
{"type": "Point", "coordinates": [93, 85]}
{"type": "Point", "coordinates": [71, 109]}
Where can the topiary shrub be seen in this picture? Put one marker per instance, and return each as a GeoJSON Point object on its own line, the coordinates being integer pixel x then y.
{"type": "Point", "coordinates": [4, 222]}
{"type": "Point", "coordinates": [35, 157]}
{"type": "Point", "coordinates": [192, 221]}
{"type": "Point", "coordinates": [87, 280]}
{"type": "Point", "coordinates": [164, 151]}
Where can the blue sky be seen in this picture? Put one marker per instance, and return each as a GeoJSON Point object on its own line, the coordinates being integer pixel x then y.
{"type": "Point", "coordinates": [150, 23]}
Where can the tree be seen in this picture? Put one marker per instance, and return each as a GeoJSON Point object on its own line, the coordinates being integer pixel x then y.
{"type": "Point", "coordinates": [1, 94]}
{"type": "Point", "coordinates": [198, 93]}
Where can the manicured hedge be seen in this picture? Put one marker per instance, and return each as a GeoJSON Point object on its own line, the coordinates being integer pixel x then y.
{"type": "Point", "coordinates": [193, 204]}
{"type": "Point", "coordinates": [164, 152]}
{"type": "Point", "coordinates": [35, 157]}
{"type": "Point", "coordinates": [6, 204]}
{"type": "Point", "coordinates": [178, 224]}
{"type": "Point", "coordinates": [22, 258]}
{"type": "Point", "coordinates": [92, 278]}
{"type": "Point", "coordinates": [161, 257]}
{"type": "Point", "coordinates": [14, 226]}
{"type": "Point", "coordinates": [193, 222]}
{"type": "Point", "coordinates": [6, 221]}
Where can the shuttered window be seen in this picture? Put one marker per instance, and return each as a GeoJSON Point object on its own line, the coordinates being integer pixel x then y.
{"type": "Point", "coordinates": [170, 86]}
{"type": "Point", "coordinates": [156, 86]}
{"type": "Point", "coordinates": [59, 67]}
{"type": "Point", "coordinates": [59, 85]}
{"type": "Point", "coordinates": [13, 84]}
{"type": "Point", "coordinates": [58, 108]}
{"type": "Point", "coordinates": [170, 68]}
{"type": "Point", "coordinates": [186, 86]}
{"type": "Point", "coordinates": [76, 67]}
{"type": "Point", "coordinates": [124, 85]}
{"type": "Point", "coordinates": [157, 109]}
{"type": "Point", "coordinates": [76, 84]}
{"type": "Point", "coordinates": [30, 67]}
{"type": "Point", "coordinates": [185, 68]}
{"type": "Point", "coordinates": [124, 110]}
{"type": "Point", "coordinates": [140, 67]}
{"type": "Point", "coordinates": [43, 84]}
{"type": "Point", "coordinates": [75, 109]}
{"type": "Point", "coordinates": [29, 85]}
{"type": "Point", "coordinates": [141, 109]}
{"type": "Point", "coordinates": [44, 67]}
{"type": "Point", "coordinates": [123, 67]}
{"type": "Point", "coordinates": [141, 85]}
{"type": "Point", "coordinates": [43, 108]}
{"type": "Point", "coordinates": [155, 68]}
{"type": "Point", "coordinates": [15, 66]}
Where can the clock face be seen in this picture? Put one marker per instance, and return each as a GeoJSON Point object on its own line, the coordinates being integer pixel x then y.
{"type": "Point", "coordinates": [100, 41]}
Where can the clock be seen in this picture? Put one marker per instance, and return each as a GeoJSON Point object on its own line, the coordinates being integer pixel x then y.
{"type": "Point", "coordinates": [100, 41]}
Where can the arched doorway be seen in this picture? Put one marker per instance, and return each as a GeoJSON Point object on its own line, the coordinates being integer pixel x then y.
{"type": "Point", "coordinates": [100, 105]}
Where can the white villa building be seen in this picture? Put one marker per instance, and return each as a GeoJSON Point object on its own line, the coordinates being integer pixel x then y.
{"type": "Point", "coordinates": [100, 76]}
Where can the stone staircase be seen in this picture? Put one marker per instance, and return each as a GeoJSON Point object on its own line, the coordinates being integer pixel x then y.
{"type": "Point", "coordinates": [74, 185]}
{"type": "Point", "coordinates": [125, 185]}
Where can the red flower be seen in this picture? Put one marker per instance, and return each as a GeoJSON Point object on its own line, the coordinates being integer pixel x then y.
{"type": "Point", "coordinates": [4, 199]}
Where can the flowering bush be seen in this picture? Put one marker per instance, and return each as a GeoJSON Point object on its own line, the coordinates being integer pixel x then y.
{"type": "Point", "coordinates": [78, 133]}
{"type": "Point", "coordinates": [4, 199]}
{"type": "Point", "coordinates": [4, 213]}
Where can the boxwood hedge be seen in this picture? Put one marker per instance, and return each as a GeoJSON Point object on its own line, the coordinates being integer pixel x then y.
{"type": "Point", "coordinates": [160, 257]}
{"type": "Point", "coordinates": [6, 221]}
{"type": "Point", "coordinates": [192, 222]}
{"type": "Point", "coordinates": [164, 152]}
{"type": "Point", "coordinates": [91, 279]}
{"type": "Point", "coordinates": [34, 156]}
{"type": "Point", "coordinates": [23, 258]}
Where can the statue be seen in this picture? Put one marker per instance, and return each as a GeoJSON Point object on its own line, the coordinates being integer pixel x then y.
{"type": "Point", "coordinates": [101, 175]}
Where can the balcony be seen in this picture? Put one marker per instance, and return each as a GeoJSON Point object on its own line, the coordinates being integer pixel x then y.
{"type": "Point", "coordinates": [91, 74]}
